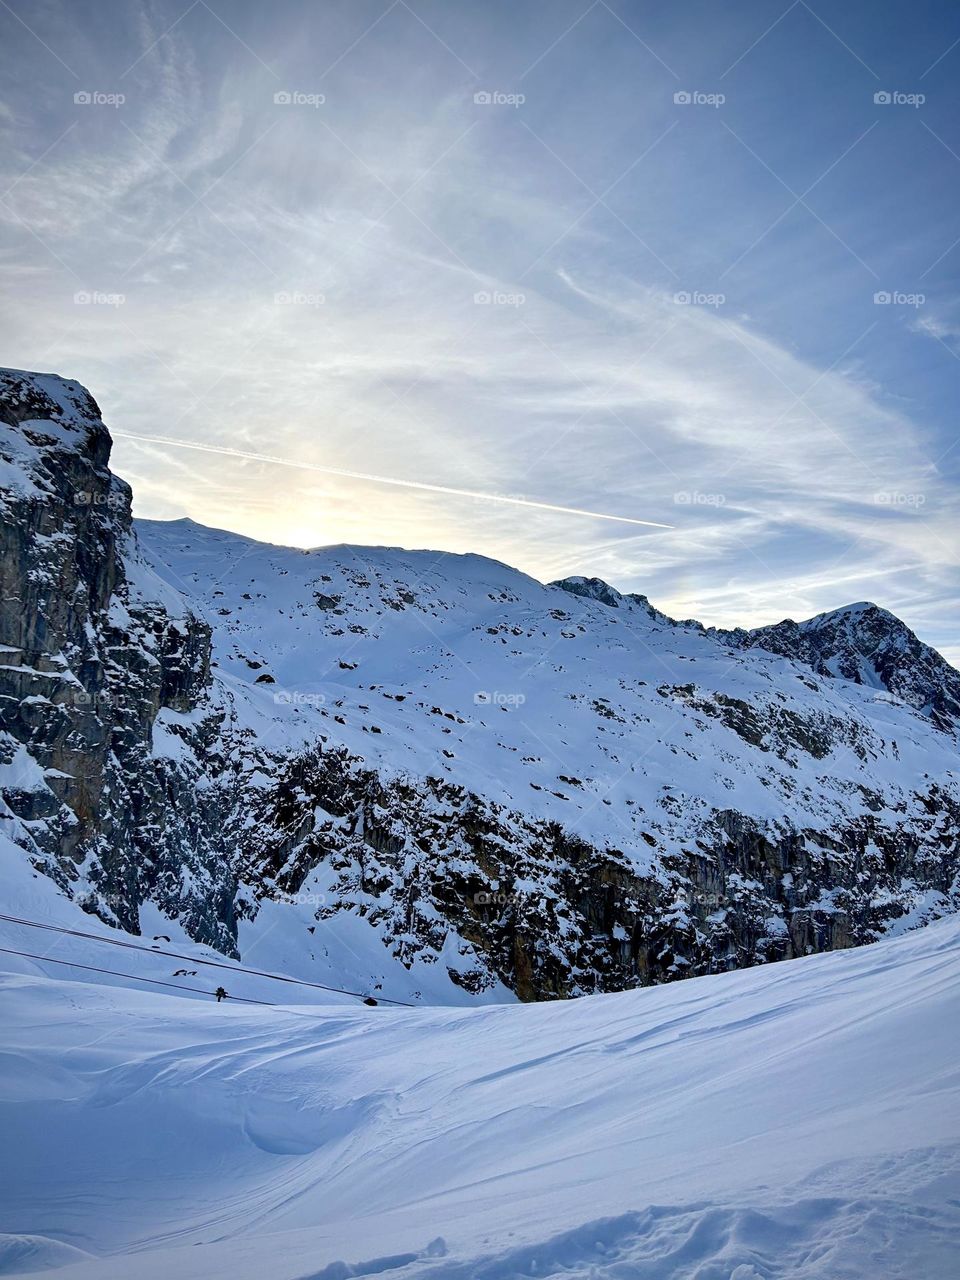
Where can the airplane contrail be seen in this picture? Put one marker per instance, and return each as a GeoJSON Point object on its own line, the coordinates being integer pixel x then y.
{"type": "Point", "coordinates": [375, 479]}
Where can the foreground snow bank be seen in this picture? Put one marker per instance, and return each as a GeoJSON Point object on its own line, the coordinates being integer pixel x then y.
{"type": "Point", "coordinates": [801, 1120]}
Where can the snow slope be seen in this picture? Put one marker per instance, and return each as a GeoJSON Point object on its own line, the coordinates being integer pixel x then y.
{"type": "Point", "coordinates": [799, 1120]}
{"type": "Point", "coordinates": [536, 698]}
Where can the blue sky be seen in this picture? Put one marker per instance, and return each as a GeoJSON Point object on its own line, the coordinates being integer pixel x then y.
{"type": "Point", "coordinates": [493, 248]}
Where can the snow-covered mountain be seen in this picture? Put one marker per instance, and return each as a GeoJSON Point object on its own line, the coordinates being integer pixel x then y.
{"type": "Point", "coordinates": [467, 781]}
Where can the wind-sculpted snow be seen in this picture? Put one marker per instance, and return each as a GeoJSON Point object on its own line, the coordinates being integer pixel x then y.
{"type": "Point", "coordinates": [791, 1122]}
{"type": "Point", "coordinates": [550, 790]}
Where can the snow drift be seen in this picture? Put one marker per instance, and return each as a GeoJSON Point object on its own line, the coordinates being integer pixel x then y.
{"type": "Point", "coordinates": [799, 1120]}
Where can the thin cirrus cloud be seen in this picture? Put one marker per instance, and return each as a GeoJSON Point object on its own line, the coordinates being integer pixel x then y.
{"type": "Point", "coordinates": [592, 301]}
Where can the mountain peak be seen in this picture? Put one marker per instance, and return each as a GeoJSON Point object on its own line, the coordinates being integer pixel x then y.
{"type": "Point", "coordinates": [48, 412]}
{"type": "Point", "coordinates": [853, 613]}
{"type": "Point", "coordinates": [603, 593]}
{"type": "Point", "coordinates": [871, 646]}
{"type": "Point", "coordinates": [591, 589]}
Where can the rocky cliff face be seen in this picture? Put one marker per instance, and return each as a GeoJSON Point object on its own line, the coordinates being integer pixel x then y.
{"type": "Point", "coordinates": [554, 788]}
{"type": "Point", "coordinates": [94, 646]}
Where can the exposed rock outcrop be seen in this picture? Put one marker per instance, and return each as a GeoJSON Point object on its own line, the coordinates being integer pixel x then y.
{"type": "Point", "coordinates": [870, 646]}
{"type": "Point", "coordinates": [93, 649]}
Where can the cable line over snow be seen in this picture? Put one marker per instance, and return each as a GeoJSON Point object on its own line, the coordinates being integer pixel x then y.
{"type": "Point", "coordinates": [73, 964]}
{"type": "Point", "coordinates": [179, 955]}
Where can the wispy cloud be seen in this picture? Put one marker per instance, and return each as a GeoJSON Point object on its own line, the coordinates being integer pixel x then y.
{"type": "Point", "coordinates": [401, 282]}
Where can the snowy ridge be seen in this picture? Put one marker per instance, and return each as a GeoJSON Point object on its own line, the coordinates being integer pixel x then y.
{"type": "Point", "coordinates": [532, 687]}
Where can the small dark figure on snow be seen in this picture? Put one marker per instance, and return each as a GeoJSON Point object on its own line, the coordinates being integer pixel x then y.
{"type": "Point", "coordinates": [220, 994]}
{"type": "Point", "coordinates": [369, 1000]}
